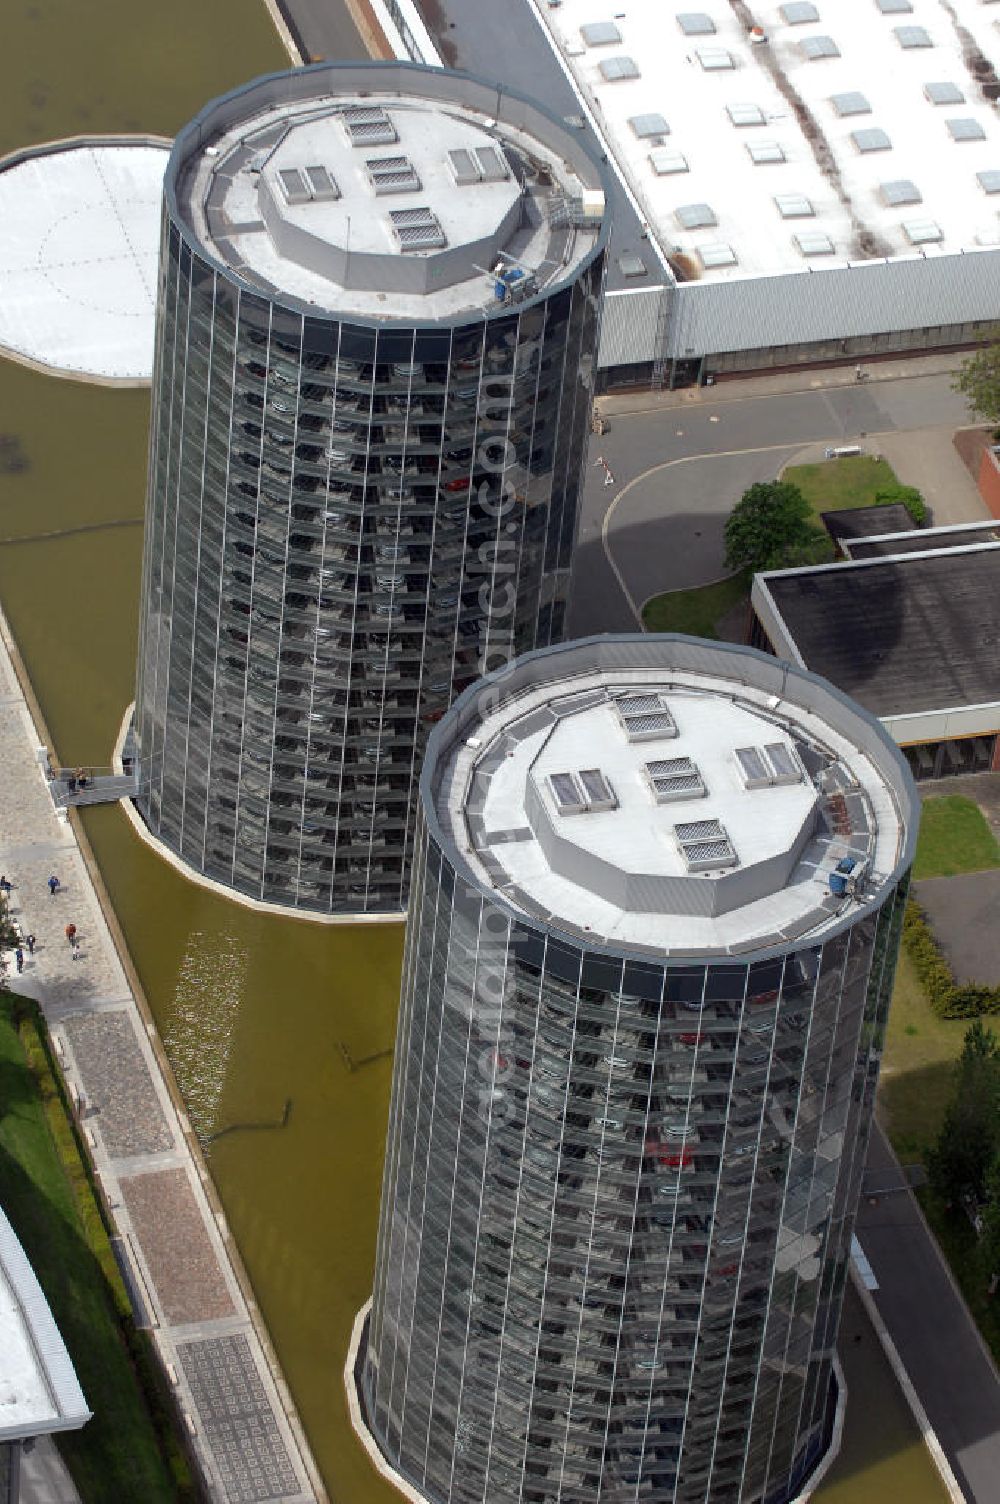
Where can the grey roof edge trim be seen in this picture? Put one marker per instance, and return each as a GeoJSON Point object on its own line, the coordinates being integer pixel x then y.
{"type": "Point", "coordinates": [465, 711]}
{"type": "Point", "coordinates": [392, 74]}
{"type": "Point", "coordinates": [54, 1361]}
{"type": "Point", "coordinates": [966, 548]}
{"type": "Point", "coordinates": [929, 532]}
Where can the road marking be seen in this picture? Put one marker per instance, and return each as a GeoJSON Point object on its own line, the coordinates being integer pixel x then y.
{"type": "Point", "coordinates": [686, 459]}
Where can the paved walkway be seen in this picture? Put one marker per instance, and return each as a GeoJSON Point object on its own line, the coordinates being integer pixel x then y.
{"type": "Point", "coordinates": [947, 1361]}
{"type": "Point", "coordinates": [44, 1477]}
{"type": "Point", "coordinates": [176, 1244]}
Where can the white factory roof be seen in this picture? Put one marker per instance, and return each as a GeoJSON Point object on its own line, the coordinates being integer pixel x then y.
{"type": "Point", "coordinates": [39, 1391]}
{"type": "Point", "coordinates": [387, 205]}
{"type": "Point", "coordinates": [849, 129]}
{"type": "Point", "coordinates": [678, 811]}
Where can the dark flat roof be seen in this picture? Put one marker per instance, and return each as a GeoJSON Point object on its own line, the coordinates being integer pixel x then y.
{"type": "Point", "coordinates": [865, 547]}
{"type": "Point", "coordinates": [900, 635]}
{"type": "Point", "coordinates": [863, 522]}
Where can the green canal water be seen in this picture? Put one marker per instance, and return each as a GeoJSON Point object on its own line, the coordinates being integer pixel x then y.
{"type": "Point", "coordinates": [256, 1012]}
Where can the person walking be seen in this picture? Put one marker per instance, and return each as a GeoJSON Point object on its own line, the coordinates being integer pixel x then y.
{"type": "Point", "coordinates": [5, 885]}
{"type": "Point", "coordinates": [71, 934]}
{"type": "Point", "coordinates": [29, 941]}
{"type": "Point", "coordinates": [19, 958]}
{"type": "Point", "coordinates": [53, 885]}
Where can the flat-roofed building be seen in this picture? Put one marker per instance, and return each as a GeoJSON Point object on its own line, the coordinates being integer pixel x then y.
{"type": "Point", "coordinates": [843, 157]}
{"type": "Point", "coordinates": [909, 628]}
{"type": "Point", "coordinates": [39, 1390]}
{"type": "Point", "coordinates": [657, 897]}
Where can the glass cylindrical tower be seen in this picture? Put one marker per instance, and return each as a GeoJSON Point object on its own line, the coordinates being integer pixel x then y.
{"type": "Point", "coordinates": [376, 323]}
{"type": "Point", "coordinates": [654, 923]}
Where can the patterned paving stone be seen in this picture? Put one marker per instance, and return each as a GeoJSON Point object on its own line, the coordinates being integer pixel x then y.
{"type": "Point", "coordinates": [181, 1260]}
{"type": "Point", "coordinates": [237, 1419]}
{"type": "Point", "coordinates": [116, 1081]}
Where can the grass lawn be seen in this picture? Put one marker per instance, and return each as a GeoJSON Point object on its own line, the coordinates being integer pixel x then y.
{"type": "Point", "coordinates": [954, 837]}
{"type": "Point", "coordinates": [695, 611]}
{"type": "Point", "coordinates": [918, 1069]}
{"type": "Point", "coordinates": [841, 485]}
{"type": "Point", "coordinates": [47, 1197]}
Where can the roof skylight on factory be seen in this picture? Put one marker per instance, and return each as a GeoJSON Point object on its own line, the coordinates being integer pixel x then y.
{"type": "Point", "coordinates": [821, 65]}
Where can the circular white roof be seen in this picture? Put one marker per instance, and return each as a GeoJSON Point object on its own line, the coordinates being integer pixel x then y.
{"type": "Point", "coordinates": [79, 242]}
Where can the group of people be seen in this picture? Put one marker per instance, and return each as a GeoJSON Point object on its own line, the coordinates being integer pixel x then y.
{"type": "Point", "coordinates": [28, 942]}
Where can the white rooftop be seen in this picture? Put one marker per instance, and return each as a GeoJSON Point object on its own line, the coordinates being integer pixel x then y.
{"type": "Point", "coordinates": [39, 1391]}
{"type": "Point", "coordinates": [79, 241]}
{"type": "Point", "coordinates": [763, 132]}
{"type": "Point", "coordinates": [389, 206]}
{"type": "Point", "coordinates": [677, 811]}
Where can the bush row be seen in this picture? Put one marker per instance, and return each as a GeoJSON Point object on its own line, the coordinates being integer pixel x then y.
{"type": "Point", "coordinates": [948, 998]}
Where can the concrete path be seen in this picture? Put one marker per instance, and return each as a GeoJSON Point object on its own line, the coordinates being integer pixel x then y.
{"type": "Point", "coordinates": [941, 1349]}
{"type": "Point", "coordinates": [963, 912]}
{"type": "Point", "coordinates": [179, 1253]}
{"type": "Point", "coordinates": [44, 1477]}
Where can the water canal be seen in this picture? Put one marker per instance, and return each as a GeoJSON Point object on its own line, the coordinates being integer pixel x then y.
{"type": "Point", "coordinates": [256, 1012]}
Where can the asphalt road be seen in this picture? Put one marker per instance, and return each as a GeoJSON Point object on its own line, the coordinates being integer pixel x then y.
{"type": "Point", "coordinates": [678, 470]}
{"type": "Point", "coordinates": [325, 29]}
{"type": "Point", "coordinates": [934, 1334]}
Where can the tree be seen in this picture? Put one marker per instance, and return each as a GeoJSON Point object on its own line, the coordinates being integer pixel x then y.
{"type": "Point", "coordinates": [989, 1238]}
{"type": "Point", "coordinates": [960, 1161]}
{"type": "Point", "coordinates": [978, 380]}
{"type": "Point", "coordinates": [771, 527]}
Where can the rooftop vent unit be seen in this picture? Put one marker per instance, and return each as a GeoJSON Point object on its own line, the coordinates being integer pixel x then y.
{"type": "Point", "coordinates": [492, 164]}
{"type": "Point", "coordinates": [912, 36]}
{"type": "Point", "coordinates": [989, 181]}
{"type": "Point", "coordinates": [715, 59]}
{"type": "Point", "coordinates": [600, 33]}
{"type": "Point", "coordinates": [665, 161]}
{"type": "Point", "coordinates": [615, 69]}
{"type": "Point", "coordinates": [894, 7]}
{"type": "Point", "coordinates": [695, 23]}
{"type": "Point", "coordinates": [794, 206]}
{"type": "Point", "coordinates": [814, 243]}
{"type": "Point", "coordinates": [798, 12]}
{"type": "Point", "coordinates": [943, 93]}
{"type": "Point", "coordinates": [392, 175]}
{"type": "Point", "coordinates": [631, 265]}
{"type": "Point", "coordinates": [463, 167]}
{"type": "Point", "coordinates": [964, 128]}
{"type": "Point", "coordinates": [869, 140]}
{"type": "Point", "coordinates": [768, 767]}
{"type": "Point", "coordinates": [695, 216]}
{"type": "Point", "coordinates": [922, 231]}
{"type": "Point", "coordinates": [293, 186]}
{"type": "Point", "coordinates": [745, 114]}
{"type": "Point", "coordinates": [645, 717]}
{"type": "Point", "coordinates": [583, 792]}
{"type": "Point", "coordinates": [762, 152]}
{"type": "Point", "coordinates": [645, 126]}
{"type": "Point", "coordinates": [417, 229]}
{"type": "Point", "coordinates": [900, 191]}
{"type": "Point", "coordinates": [814, 48]}
{"type": "Point", "coordinates": [367, 125]}
{"type": "Point", "coordinates": [705, 845]}
{"type": "Point", "coordinates": [851, 103]}
{"type": "Point", "coordinates": [675, 778]}
{"type": "Point", "coordinates": [321, 184]}
{"type": "Point", "coordinates": [716, 255]}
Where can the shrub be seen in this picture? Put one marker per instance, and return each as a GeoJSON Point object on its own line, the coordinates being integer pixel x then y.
{"type": "Point", "coordinates": [907, 496]}
{"type": "Point", "coordinates": [948, 998]}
